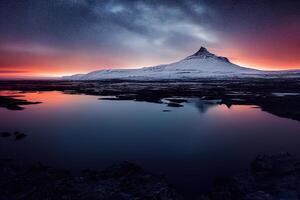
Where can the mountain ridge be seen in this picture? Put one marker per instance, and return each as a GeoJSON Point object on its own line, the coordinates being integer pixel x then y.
{"type": "Point", "coordinates": [201, 64]}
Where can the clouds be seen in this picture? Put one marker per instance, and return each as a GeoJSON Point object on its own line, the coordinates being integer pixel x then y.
{"type": "Point", "coordinates": [66, 20]}
{"type": "Point", "coordinates": [152, 26]}
{"type": "Point", "coordinates": [136, 32]}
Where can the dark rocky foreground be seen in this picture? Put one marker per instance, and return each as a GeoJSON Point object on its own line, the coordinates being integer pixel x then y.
{"type": "Point", "coordinates": [236, 91]}
{"type": "Point", "coordinates": [269, 178]}
{"type": "Point", "coordinates": [126, 181]}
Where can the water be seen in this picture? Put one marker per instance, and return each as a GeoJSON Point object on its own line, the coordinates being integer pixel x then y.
{"type": "Point", "coordinates": [190, 145]}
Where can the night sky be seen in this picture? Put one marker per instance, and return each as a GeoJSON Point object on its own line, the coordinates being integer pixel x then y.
{"type": "Point", "coordinates": [60, 37]}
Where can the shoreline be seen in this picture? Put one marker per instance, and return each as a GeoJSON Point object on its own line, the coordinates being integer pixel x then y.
{"type": "Point", "coordinates": [280, 97]}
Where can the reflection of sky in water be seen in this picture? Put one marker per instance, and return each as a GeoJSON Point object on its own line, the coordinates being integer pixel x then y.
{"type": "Point", "coordinates": [79, 131]}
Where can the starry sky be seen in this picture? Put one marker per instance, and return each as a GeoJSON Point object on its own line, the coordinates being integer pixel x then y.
{"type": "Point", "coordinates": [48, 38]}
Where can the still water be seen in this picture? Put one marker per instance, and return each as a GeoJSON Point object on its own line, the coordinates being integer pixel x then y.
{"type": "Point", "coordinates": [191, 145]}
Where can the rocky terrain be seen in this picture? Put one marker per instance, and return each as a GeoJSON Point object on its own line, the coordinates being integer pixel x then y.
{"type": "Point", "coordinates": [15, 135]}
{"type": "Point", "coordinates": [271, 177]}
{"type": "Point", "coordinates": [13, 103]}
{"type": "Point", "coordinates": [125, 181]}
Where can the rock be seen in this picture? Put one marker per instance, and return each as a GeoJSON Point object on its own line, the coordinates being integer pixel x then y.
{"type": "Point", "coordinates": [271, 177]}
{"type": "Point", "coordinates": [177, 100]}
{"type": "Point", "coordinates": [5, 134]}
{"type": "Point", "coordinates": [259, 195]}
{"type": "Point", "coordinates": [126, 181]}
{"type": "Point", "coordinates": [136, 182]}
{"type": "Point", "coordinates": [274, 165]}
{"type": "Point", "coordinates": [19, 136]}
{"type": "Point", "coordinates": [13, 103]}
{"type": "Point", "coordinates": [171, 104]}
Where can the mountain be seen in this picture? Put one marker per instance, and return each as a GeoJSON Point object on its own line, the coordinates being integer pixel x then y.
{"type": "Point", "coordinates": [199, 65]}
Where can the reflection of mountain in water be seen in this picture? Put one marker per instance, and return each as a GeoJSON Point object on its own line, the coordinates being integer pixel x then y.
{"type": "Point", "coordinates": [203, 105]}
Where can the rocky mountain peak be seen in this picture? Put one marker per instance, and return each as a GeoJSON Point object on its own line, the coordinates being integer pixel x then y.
{"type": "Point", "coordinates": [203, 53]}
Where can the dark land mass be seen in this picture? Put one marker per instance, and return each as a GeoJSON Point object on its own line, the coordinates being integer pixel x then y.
{"type": "Point", "coordinates": [262, 92]}
{"type": "Point", "coordinates": [269, 178]}
{"type": "Point", "coordinates": [125, 181]}
{"type": "Point", "coordinates": [16, 135]}
{"type": "Point", "coordinates": [12, 103]}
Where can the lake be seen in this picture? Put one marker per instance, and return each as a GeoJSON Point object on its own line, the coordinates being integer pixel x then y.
{"type": "Point", "coordinates": [190, 145]}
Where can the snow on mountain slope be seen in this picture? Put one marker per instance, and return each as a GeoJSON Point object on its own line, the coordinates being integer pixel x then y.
{"type": "Point", "coordinates": [201, 64]}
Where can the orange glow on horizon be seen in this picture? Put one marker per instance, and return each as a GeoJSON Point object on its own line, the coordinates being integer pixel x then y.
{"type": "Point", "coordinates": [36, 73]}
{"type": "Point", "coordinates": [26, 67]}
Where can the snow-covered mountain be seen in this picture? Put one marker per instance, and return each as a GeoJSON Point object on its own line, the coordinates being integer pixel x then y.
{"type": "Point", "coordinates": [199, 65]}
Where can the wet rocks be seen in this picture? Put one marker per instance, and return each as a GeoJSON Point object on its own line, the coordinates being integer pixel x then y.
{"type": "Point", "coordinates": [271, 177]}
{"type": "Point", "coordinates": [13, 103]}
{"type": "Point", "coordinates": [176, 105]}
{"type": "Point", "coordinates": [5, 134]}
{"type": "Point", "coordinates": [274, 165]}
{"type": "Point", "coordinates": [125, 181]}
{"type": "Point", "coordinates": [177, 100]}
{"type": "Point", "coordinates": [17, 135]}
